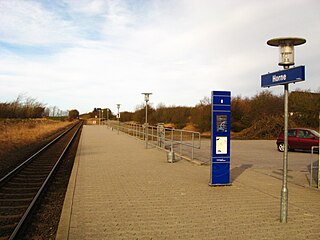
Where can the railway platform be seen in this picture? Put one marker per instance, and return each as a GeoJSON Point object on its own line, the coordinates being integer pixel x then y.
{"type": "Point", "coordinates": [120, 190]}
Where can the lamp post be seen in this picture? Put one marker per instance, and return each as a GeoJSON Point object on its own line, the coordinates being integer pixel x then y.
{"type": "Point", "coordinates": [146, 98]}
{"type": "Point", "coordinates": [319, 158]}
{"type": "Point", "coordinates": [102, 115]}
{"type": "Point", "coordinates": [99, 114]}
{"type": "Point", "coordinates": [118, 116]}
{"type": "Point", "coordinates": [286, 59]}
{"type": "Point", "coordinates": [107, 115]}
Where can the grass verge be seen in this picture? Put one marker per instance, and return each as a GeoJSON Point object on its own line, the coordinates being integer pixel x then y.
{"type": "Point", "coordinates": [15, 134]}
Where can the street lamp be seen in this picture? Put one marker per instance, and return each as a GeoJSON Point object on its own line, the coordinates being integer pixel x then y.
{"type": "Point", "coordinates": [107, 115]}
{"type": "Point", "coordinates": [146, 98]}
{"type": "Point", "coordinates": [286, 48]}
{"type": "Point", "coordinates": [102, 115]}
{"type": "Point", "coordinates": [286, 59]}
{"type": "Point", "coordinates": [99, 114]}
{"type": "Point", "coordinates": [118, 116]}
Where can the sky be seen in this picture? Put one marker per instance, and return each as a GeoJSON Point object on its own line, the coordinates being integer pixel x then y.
{"type": "Point", "coordinates": [82, 54]}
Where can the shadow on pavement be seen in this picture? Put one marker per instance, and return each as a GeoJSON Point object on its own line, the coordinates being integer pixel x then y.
{"type": "Point", "coordinates": [237, 171]}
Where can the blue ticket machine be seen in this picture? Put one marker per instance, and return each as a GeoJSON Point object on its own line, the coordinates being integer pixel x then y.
{"type": "Point", "coordinates": [220, 138]}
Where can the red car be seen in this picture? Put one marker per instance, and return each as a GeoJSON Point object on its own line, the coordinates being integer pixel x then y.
{"type": "Point", "coordinates": [299, 138]}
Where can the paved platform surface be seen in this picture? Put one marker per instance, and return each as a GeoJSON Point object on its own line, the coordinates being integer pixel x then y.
{"type": "Point", "coordinates": [119, 190]}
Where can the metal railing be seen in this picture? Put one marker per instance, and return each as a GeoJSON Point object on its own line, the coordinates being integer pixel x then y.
{"type": "Point", "coordinates": [312, 167]}
{"type": "Point", "coordinates": [182, 142]}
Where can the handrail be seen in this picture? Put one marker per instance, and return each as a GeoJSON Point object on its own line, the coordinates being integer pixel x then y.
{"type": "Point", "coordinates": [311, 167]}
{"type": "Point", "coordinates": [167, 139]}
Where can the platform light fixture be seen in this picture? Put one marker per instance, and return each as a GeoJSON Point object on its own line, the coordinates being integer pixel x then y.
{"type": "Point", "coordinates": [107, 114]}
{"type": "Point", "coordinates": [102, 115]}
{"type": "Point", "coordinates": [146, 99]}
{"type": "Point", "coordinates": [118, 116]}
{"type": "Point", "coordinates": [99, 114]}
{"type": "Point", "coordinates": [286, 49]}
{"type": "Point", "coordinates": [286, 59]}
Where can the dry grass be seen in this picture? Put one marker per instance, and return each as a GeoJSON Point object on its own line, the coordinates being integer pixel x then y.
{"type": "Point", "coordinates": [16, 133]}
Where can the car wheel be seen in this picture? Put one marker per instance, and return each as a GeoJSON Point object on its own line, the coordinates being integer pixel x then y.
{"type": "Point", "coordinates": [281, 147]}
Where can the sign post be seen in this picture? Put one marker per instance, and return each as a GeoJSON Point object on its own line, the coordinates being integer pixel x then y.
{"type": "Point", "coordinates": [220, 138]}
{"type": "Point", "coordinates": [286, 47]}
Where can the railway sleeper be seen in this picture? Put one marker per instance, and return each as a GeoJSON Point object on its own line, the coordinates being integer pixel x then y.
{"type": "Point", "coordinates": [38, 175]}
{"type": "Point", "coordinates": [20, 189]}
{"type": "Point", "coordinates": [6, 230]}
{"type": "Point", "coordinates": [24, 184]}
{"type": "Point", "coordinates": [12, 210]}
{"type": "Point", "coordinates": [15, 202]}
{"type": "Point", "coordinates": [36, 171]}
{"type": "Point", "coordinates": [37, 166]}
{"type": "Point", "coordinates": [10, 219]}
{"type": "Point", "coordinates": [28, 180]}
{"type": "Point", "coordinates": [16, 195]}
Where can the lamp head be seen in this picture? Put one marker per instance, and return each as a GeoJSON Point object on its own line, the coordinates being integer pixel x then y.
{"type": "Point", "coordinates": [146, 96]}
{"type": "Point", "coordinates": [286, 47]}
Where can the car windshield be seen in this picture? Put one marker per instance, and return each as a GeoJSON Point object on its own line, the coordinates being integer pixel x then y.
{"type": "Point", "coordinates": [315, 133]}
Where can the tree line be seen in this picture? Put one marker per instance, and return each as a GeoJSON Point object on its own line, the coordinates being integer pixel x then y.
{"type": "Point", "coordinates": [264, 112]}
{"type": "Point", "coordinates": [22, 107]}
{"type": "Point", "coordinates": [27, 107]}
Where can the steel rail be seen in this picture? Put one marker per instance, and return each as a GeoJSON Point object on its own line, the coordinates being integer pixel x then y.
{"type": "Point", "coordinates": [14, 171]}
{"type": "Point", "coordinates": [44, 185]}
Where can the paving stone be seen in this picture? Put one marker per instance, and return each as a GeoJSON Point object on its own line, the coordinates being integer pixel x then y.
{"type": "Point", "coordinates": [122, 191]}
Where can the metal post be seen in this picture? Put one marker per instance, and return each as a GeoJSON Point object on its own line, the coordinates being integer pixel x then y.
{"type": "Point", "coordinates": [144, 133]}
{"type": "Point", "coordinates": [311, 168]}
{"type": "Point", "coordinates": [180, 143]}
{"type": "Point", "coordinates": [284, 190]}
{"type": "Point", "coordinates": [107, 116]}
{"type": "Point", "coordinates": [147, 124]}
{"type": "Point", "coordinates": [141, 132]}
{"type": "Point", "coordinates": [152, 135]}
{"type": "Point", "coordinates": [146, 98]}
{"type": "Point", "coordinates": [102, 115]}
{"type": "Point", "coordinates": [319, 158]}
{"type": "Point", "coordinates": [158, 141]}
{"type": "Point", "coordinates": [192, 150]}
{"type": "Point", "coordinates": [118, 106]}
{"type": "Point", "coordinates": [99, 113]}
{"type": "Point", "coordinates": [146, 111]}
{"type": "Point", "coordinates": [171, 139]}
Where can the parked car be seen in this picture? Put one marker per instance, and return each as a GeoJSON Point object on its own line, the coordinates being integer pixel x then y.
{"type": "Point", "coordinates": [299, 138]}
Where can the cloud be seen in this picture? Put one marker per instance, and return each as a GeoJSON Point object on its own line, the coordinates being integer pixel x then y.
{"type": "Point", "coordinates": [30, 23]}
{"type": "Point", "coordinates": [111, 51]}
{"type": "Point", "coordinates": [87, 7]}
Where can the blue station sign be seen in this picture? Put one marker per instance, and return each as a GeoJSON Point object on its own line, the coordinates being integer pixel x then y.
{"type": "Point", "coordinates": [291, 75]}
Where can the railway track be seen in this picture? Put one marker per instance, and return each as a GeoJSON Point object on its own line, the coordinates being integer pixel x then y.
{"type": "Point", "coordinates": [22, 188]}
